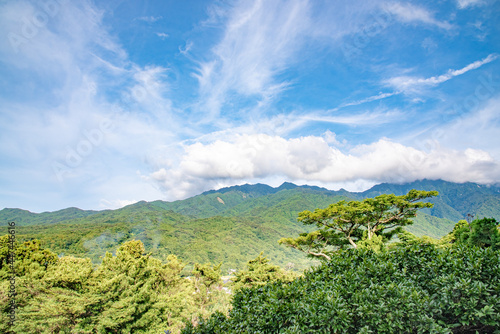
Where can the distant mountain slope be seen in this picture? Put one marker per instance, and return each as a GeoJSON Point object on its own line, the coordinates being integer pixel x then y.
{"type": "Point", "coordinates": [231, 240]}
{"type": "Point", "coordinates": [24, 217]}
{"type": "Point", "coordinates": [455, 200]}
{"type": "Point", "coordinates": [233, 224]}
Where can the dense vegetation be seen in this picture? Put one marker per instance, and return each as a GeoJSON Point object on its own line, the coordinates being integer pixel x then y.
{"type": "Point", "coordinates": [131, 292]}
{"type": "Point", "coordinates": [418, 285]}
{"type": "Point", "coordinates": [232, 241]}
{"type": "Point", "coordinates": [245, 221]}
{"type": "Point", "coordinates": [365, 284]}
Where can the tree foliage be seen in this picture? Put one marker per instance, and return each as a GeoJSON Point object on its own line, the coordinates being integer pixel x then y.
{"type": "Point", "coordinates": [201, 229]}
{"type": "Point", "coordinates": [259, 272]}
{"type": "Point", "coordinates": [480, 232]}
{"type": "Point", "coordinates": [416, 288]}
{"type": "Point", "coordinates": [416, 285]}
{"type": "Point", "coordinates": [371, 221]}
{"type": "Point", "coordinates": [130, 292]}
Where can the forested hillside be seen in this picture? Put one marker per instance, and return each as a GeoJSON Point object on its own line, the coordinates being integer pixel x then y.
{"type": "Point", "coordinates": [232, 225]}
{"type": "Point", "coordinates": [415, 285]}
{"type": "Point", "coordinates": [365, 281]}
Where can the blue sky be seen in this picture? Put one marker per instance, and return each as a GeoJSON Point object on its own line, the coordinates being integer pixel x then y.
{"type": "Point", "coordinates": [104, 103]}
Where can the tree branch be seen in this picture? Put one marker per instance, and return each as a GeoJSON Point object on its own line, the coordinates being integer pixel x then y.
{"type": "Point", "coordinates": [320, 254]}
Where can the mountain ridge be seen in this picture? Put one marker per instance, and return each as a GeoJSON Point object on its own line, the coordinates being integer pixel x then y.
{"type": "Point", "coordinates": [261, 189]}
{"type": "Point", "coordinates": [233, 224]}
{"type": "Point", "coordinates": [454, 202]}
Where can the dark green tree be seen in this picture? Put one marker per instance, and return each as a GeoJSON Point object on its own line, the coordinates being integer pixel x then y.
{"type": "Point", "coordinates": [484, 233]}
{"type": "Point", "coordinates": [418, 288]}
{"type": "Point", "coordinates": [480, 232]}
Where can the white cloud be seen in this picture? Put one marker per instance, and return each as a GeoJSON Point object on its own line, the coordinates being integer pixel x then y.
{"type": "Point", "coordinates": [150, 83]}
{"type": "Point", "coordinates": [409, 13]}
{"type": "Point", "coordinates": [462, 4]}
{"type": "Point", "coordinates": [185, 50]}
{"type": "Point", "coordinates": [78, 76]}
{"type": "Point", "coordinates": [149, 19]}
{"type": "Point", "coordinates": [376, 117]}
{"type": "Point", "coordinates": [284, 125]}
{"type": "Point", "coordinates": [331, 139]}
{"type": "Point", "coordinates": [414, 84]}
{"type": "Point", "coordinates": [379, 96]}
{"type": "Point", "coordinates": [311, 159]}
{"type": "Point", "coordinates": [476, 128]}
{"type": "Point", "coordinates": [162, 35]}
{"type": "Point", "coordinates": [66, 35]}
{"type": "Point", "coordinates": [260, 40]}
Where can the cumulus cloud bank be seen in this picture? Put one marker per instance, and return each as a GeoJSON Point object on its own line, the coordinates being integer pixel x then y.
{"type": "Point", "coordinates": [312, 159]}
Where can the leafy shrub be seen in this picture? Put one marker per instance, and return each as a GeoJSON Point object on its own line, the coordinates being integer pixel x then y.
{"type": "Point", "coordinates": [480, 232]}
{"type": "Point", "coordinates": [414, 289]}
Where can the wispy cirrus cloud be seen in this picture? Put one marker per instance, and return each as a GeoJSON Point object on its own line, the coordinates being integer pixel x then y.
{"type": "Point", "coordinates": [149, 19]}
{"type": "Point", "coordinates": [79, 77]}
{"type": "Point", "coordinates": [462, 4]}
{"type": "Point", "coordinates": [367, 100]}
{"type": "Point", "coordinates": [412, 84]}
{"type": "Point", "coordinates": [260, 39]}
{"type": "Point", "coordinates": [364, 118]}
{"type": "Point", "coordinates": [408, 13]}
{"type": "Point", "coordinates": [162, 35]}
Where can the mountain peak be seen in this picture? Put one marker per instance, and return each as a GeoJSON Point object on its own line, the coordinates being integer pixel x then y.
{"type": "Point", "coordinates": [287, 185]}
{"type": "Point", "coordinates": [257, 189]}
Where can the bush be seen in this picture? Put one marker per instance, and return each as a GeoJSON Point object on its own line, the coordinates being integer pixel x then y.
{"type": "Point", "coordinates": [413, 289]}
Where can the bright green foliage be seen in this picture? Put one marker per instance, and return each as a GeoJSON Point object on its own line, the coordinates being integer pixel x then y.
{"type": "Point", "coordinates": [69, 272]}
{"type": "Point", "coordinates": [375, 243]}
{"type": "Point", "coordinates": [4, 255]}
{"type": "Point", "coordinates": [348, 223]}
{"type": "Point", "coordinates": [259, 272]}
{"type": "Point", "coordinates": [408, 239]}
{"type": "Point", "coordinates": [201, 229]}
{"type": "Point", "coordinates": [134, 291]}
{"type": "Point", "coordinates": [41, 308]}
{"type": "Point", "coordinates": [461, 232]}
{"type": "Point", "coordinates": [230, 240]}
{"type": "Point", "coordinates": [207, 274]}
{"type": "Point", "coordinates": [480, 232]}
{"type": "Point", "coordinates": [131, 292]}
{"type": "Point", "coordinates": [209, 294]}
{"type": "Point", "coordinates": [31, 258]}
{"type": "Point", "coordinates": [417, 288]}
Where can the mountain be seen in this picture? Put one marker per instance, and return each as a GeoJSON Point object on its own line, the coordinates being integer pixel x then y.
{"type": "Point", "coordinates": [234, 224]}
{"type": "Point", "coordinates": [24, 217]}
{"type": "Point", "coordinates": [455, 200]}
